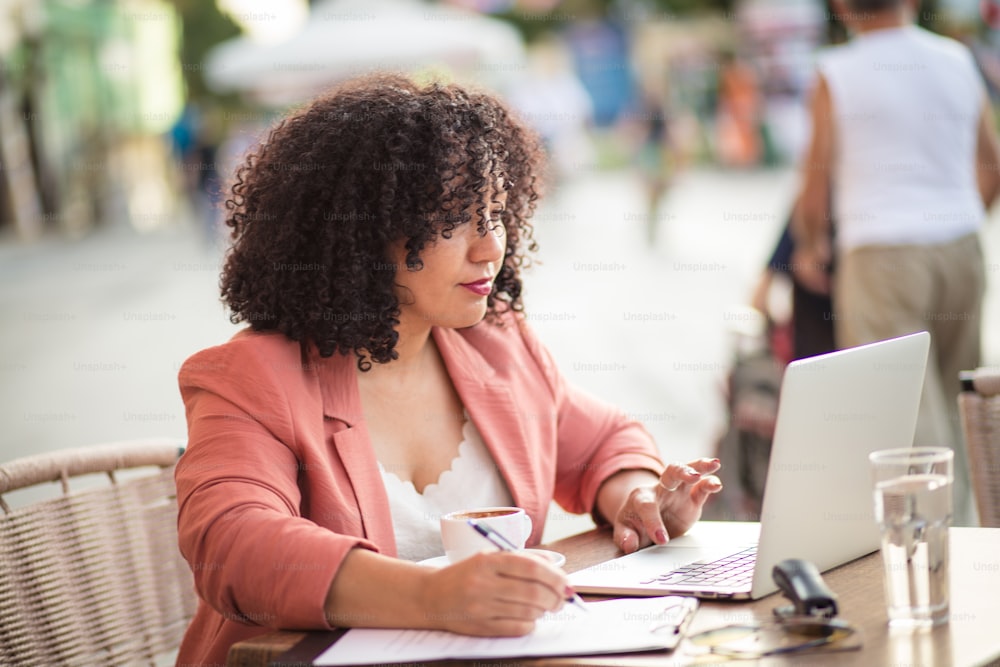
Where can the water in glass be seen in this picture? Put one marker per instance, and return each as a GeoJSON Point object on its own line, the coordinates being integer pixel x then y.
{"type": "Point", "coordinates": [914, 512]}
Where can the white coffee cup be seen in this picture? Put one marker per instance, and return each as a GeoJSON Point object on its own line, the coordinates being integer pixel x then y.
{"type": "Point", "coordinates": [461, 540]}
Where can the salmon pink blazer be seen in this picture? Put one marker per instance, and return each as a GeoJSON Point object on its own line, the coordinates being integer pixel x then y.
{"type": "Point", "coordinates": [280, 481]}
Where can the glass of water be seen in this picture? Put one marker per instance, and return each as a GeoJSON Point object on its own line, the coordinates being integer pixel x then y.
{"type": "Point", "coordinates": [913, 510]}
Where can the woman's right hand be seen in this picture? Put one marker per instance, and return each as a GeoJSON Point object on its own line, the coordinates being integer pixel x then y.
{"type": "Point", "coordinates": [494, 594]}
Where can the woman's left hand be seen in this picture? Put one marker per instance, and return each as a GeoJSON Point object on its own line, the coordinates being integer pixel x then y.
{"type": "Point", "coordinates": [668, 508]}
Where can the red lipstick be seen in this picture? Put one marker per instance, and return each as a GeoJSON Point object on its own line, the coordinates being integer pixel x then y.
{"type": "Point", "coordinates": [481, 287]}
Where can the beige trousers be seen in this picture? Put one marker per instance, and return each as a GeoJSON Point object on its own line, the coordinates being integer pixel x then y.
{"type": "Point", "coordinates": [886, 291]}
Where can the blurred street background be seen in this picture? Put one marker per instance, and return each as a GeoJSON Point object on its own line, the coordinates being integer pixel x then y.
{"type": "Point", "coordinates": [673, 127]}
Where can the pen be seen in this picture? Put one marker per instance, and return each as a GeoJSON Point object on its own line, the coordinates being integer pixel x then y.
{"type": "Point", "coordinates": [503, 544]}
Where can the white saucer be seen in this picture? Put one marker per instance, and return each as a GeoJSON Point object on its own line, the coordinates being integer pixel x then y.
{"type": "Point", "coordinates": [554, 557]}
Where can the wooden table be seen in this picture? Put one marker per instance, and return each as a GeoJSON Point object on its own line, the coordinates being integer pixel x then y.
{"type": "Point", "coordinates": [971, 638]}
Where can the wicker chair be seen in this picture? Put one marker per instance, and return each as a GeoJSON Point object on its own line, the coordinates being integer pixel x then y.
{"type": "Point", "coordinates": [93, 576]}
{"type": "Point", "coordinates": [979, 406]}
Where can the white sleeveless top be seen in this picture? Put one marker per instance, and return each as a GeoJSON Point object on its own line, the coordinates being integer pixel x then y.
{"type": "Point", "coordinates": [472, 481]}
{"type": "Point", "coordinates": [906, 105]}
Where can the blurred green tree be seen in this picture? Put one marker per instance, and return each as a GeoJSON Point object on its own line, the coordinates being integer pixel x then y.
{"type": "Point", "coordinates": [204, 26]}
{"type": "Point", "coordinates": [534, 26]}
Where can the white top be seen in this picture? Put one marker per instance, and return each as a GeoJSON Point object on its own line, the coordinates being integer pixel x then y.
{"type": "Point", "coordinates": [472, 481]}
{"type": "Point", "coordinates": [906, 105]}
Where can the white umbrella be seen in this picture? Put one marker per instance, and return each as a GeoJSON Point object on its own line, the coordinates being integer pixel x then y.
{"type": "Point", "coordinates": [346, 37]}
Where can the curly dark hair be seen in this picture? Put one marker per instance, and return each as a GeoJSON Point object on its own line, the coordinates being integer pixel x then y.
{"type": "Point", "coordinates": [378, 160]}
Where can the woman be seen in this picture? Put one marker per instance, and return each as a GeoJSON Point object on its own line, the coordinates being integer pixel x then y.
{"type": "Point", "coordinates": [377, 241]}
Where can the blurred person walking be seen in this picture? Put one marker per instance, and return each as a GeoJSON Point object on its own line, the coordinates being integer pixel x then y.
{"type": "Point", "coordinates": [809, 328]}
{"type": "Point", "coordinates": [785, 331]}
{"type": "Point", "coordinates": [738, 115]}
{"type": "Point", "coordinates": [903, 147]}
{"type": "Point", "coordinates": [653, 156]}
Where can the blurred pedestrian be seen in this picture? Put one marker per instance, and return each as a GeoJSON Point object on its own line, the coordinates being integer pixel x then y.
{"type": "Point", "coordinates": [738, 116]}
{"type": "Point", "coordinates": [652, 156]}
{"type": "Point", "coordinates": [802, 330]}
{"type": "Point", "coordinates": [903, 138]}
{"type": "Point", "coordinates": [194, 138]}
{"type": "Point", "coordinates": [809, 330]}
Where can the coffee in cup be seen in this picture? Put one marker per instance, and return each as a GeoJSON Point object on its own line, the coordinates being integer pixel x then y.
{"type": "Point", "coordinates": [461, 540]}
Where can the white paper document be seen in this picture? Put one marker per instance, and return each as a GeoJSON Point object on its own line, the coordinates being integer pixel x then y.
{"type": "Point", "coordinates": [613, 626]}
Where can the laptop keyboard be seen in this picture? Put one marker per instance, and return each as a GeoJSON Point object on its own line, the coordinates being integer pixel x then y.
{"type": "Point", "coordinates": [732, 570]}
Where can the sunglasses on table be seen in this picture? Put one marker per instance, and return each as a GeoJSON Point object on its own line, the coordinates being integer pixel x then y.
{"type": "Point", "coordinates": [778, 637]}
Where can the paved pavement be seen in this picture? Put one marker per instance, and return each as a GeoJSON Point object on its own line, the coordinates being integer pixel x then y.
{"type": "Point", "coordinates": [96, 329]}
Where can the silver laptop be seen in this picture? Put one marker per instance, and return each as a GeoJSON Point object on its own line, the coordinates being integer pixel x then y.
{"type": "Point", "coordinates": [834, 410]}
